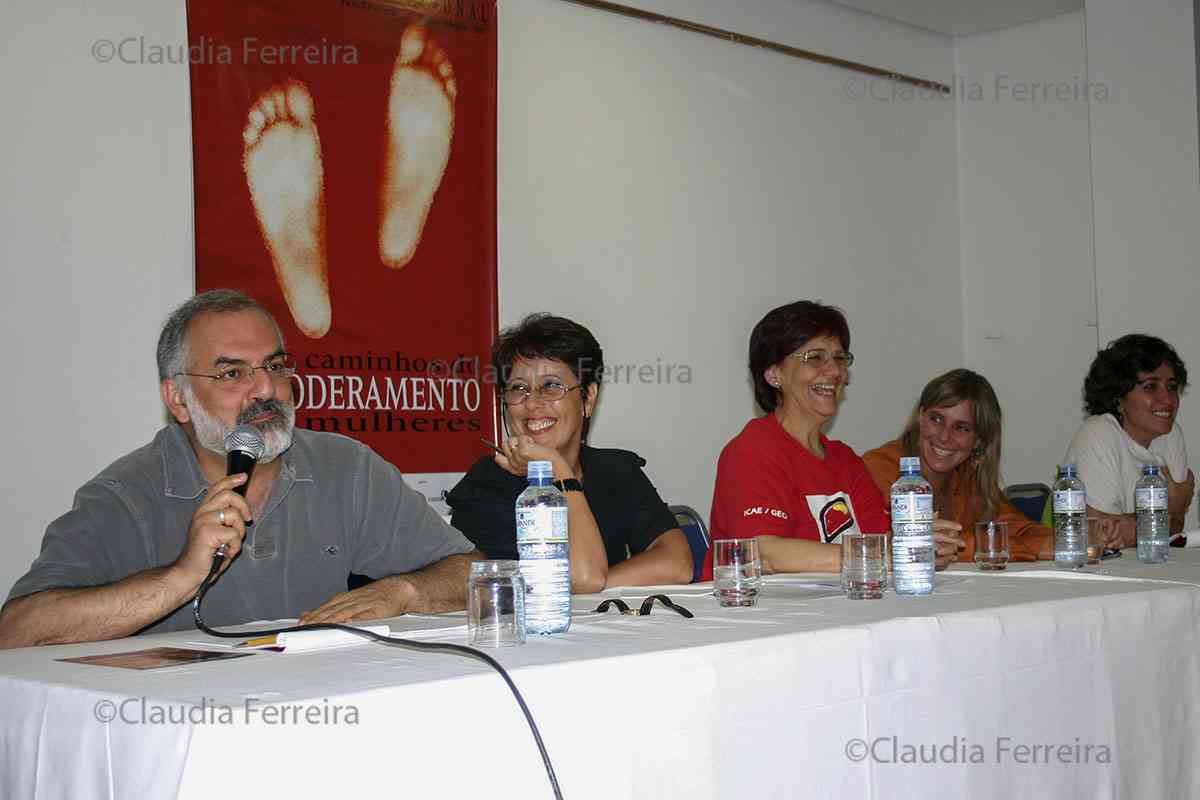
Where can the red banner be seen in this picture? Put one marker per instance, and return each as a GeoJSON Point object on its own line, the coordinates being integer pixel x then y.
{"type": "Point", "coordinates": [345, 177]}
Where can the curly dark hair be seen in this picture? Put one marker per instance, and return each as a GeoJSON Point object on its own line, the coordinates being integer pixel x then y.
{"type": "Point", "coordinates": [543, 335]}
{"type": "Point", "coordinates": [1114, 371]}
{"type": "Point", "coordinates": [783, 331]}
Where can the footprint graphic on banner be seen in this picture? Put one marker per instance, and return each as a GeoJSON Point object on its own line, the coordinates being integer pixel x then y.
{"type": "Point", "coordinates": [420, 126]}
{"type": "Point", "coordinates": [282, 161]}
{"type": "Point", "coordinates": [285, 175]}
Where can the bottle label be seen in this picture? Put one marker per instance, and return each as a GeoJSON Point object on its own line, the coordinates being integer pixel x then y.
{"type": "Point", "coordinates": [546, 576]}
{"type": "Point", "coordinates": [909, 508]}
{"type": "Point", "coordinates": [1070, 501]}
{"type": "Point", "coordinates": [1150, 498]}
{"type": "Point", "coordinates": [542, 525]}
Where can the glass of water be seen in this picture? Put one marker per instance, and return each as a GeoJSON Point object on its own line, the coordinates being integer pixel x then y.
{"type": "Point", "coordinates": [864, 565]}
{"type": "Point", "coordinates": [737, 571]}
{"type": "Point", "coordinates": [991, 545]}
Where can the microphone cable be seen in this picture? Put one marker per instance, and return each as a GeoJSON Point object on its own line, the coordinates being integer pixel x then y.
{"type": "Point", "coordinates": [440, 647]}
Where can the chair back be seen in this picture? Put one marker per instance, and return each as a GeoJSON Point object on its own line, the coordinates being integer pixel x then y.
{"type": "Point", "coordinates": [693, 527]}
{"type": "Point", "coordinates": [1029, 498]}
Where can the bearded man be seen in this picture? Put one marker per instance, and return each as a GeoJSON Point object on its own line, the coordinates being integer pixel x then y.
{"type": "Point", "coordinates": [141, 537]}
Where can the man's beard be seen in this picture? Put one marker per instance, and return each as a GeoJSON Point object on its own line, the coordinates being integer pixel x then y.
{"type": "Point", "coordinates": [276, 432]}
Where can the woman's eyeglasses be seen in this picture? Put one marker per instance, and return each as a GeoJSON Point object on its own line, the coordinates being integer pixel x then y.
{"type": "Point", "coordinates": [517, 393]}
{"type": "Point", "coordinates": [819, 358]}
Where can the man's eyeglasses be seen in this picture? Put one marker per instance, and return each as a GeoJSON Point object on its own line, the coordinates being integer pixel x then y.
{"type": "Point", "coordinates": [647, 606]}
{"type": "Point", "coordinates": [517, 393]}
{"type": "Point", "coordinates": [278, 368]}
{"type": "Point", "coordinates": [819, 358]}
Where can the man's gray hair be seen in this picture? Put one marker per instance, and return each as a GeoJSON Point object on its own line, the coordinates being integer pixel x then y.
{"type": "Point", "coordinates": [173, 345]}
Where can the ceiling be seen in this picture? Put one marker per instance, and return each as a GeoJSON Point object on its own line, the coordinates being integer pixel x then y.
{"type": "Point", "coordinates": [964, 17]}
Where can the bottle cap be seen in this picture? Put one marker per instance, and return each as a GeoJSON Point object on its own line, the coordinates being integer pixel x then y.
{"type": "Point", "coordinates": [910, 464]}
{"type": "Point", "coordinates": [539, 470]}
{"type": "Point", "coordinates": [1150, 469]}
{"type": "Point", "coordinates": [1066, 470]}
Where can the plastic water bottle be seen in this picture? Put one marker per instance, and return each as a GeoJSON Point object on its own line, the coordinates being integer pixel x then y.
{"type": "Point", "coordinates": [1070, 519]}
{"type": "Point", "coordinates": [544, 551]}
{"type": "Point", "coordinates": [912, 530]}
{"type": "Point", "coordinates": [1153, 521]}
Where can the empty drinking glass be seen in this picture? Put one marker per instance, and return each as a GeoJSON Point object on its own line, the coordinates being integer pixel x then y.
{"type": "Point", "coordinates": [495, 604]}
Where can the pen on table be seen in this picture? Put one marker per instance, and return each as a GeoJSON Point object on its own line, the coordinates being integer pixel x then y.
{"type": "Point", "coordinates": [259, 642]}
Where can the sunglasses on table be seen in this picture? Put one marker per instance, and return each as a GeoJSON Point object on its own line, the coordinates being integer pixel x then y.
{"type": "Point", "coordinates": [646, 607]}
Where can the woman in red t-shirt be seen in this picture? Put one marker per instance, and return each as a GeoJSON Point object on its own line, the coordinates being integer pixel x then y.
{"type": "Point", "coordinates": [781, 480]}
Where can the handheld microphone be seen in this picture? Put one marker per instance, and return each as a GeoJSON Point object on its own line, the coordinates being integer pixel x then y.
{"type": "Point", "coordinates": [243, 447]}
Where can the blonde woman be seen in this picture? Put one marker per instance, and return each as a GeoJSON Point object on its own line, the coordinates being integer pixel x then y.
{"type": "Point", "coordinates": [955, 429]}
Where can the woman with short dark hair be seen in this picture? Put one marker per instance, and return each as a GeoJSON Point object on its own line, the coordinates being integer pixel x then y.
{"type": "Point", "coordinates": [955, 429]}
{"type": "Point", "coordinates": [781, 480]}
{"type": "Point", "coordinates": [1131, 393]}
{"type": "Point", "coordinates": [548, 371]}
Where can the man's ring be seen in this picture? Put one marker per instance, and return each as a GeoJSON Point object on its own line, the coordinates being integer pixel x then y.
{"type": "Point", "coordinates": [221, 516]}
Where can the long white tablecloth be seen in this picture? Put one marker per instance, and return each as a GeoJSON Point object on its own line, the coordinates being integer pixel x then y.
{"type": "Point", "coordinates": [1028, 683]}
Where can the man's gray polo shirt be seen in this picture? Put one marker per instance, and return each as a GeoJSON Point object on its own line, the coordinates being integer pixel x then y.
{"type": "Point", "coordinates": [336, 508]}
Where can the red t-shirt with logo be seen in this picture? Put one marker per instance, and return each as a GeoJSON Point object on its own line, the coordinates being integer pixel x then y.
{"type": "Point", "coordinates": [770, 484]}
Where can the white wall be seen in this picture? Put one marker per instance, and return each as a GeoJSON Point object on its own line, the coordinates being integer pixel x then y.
{"type": "Point", "coordinates": [97, 246]}
{"type": "Point", "coordinates": [1062, 200]}
{"type": "Point", "coordinates": [665, 188]}
{"type": "Point", "coordinates": [1026, 232]}
{"type": "Point", "coordinates": [668, 189]}
{"type": "Point", "coordinates": [1145, 173]}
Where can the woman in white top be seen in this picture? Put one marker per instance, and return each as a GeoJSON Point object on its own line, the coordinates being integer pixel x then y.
{"type": "Point", "coordinates": [1132, 394]}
